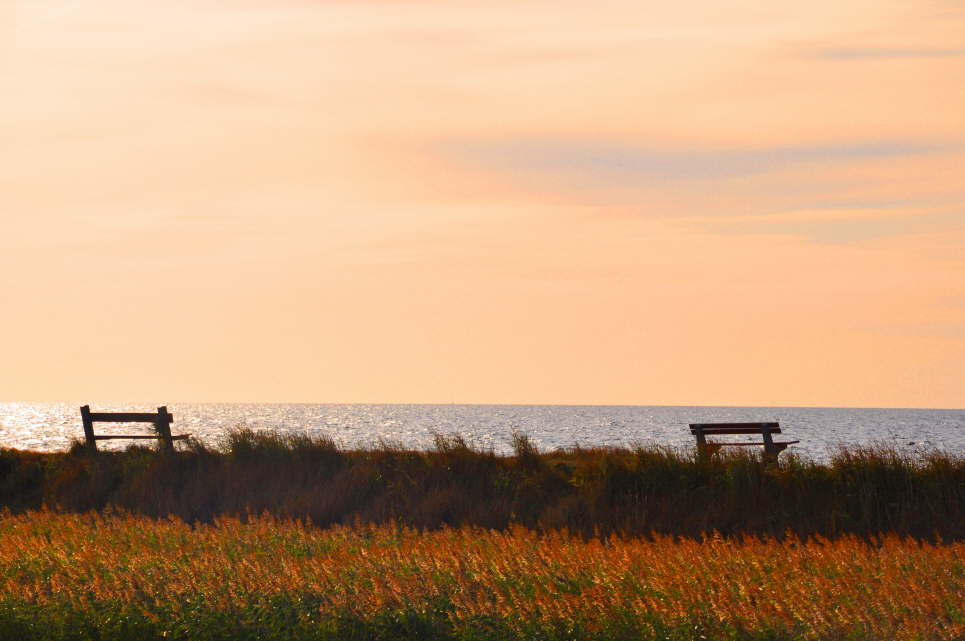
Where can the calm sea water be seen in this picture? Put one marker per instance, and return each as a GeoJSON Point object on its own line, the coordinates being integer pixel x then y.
{"type": "Point", "coordinates": [51, 426]}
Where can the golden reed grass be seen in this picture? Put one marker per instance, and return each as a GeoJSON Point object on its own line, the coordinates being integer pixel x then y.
{"type": "Point", "coordinates": [169, 579]}
{"type": "Point", "coordinates": [590, 491]}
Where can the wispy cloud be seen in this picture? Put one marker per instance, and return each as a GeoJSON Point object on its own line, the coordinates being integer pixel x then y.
{"type": "Point", "coordinates": [625, 162]}
{"type": "Point", "coordinates": [841, 226]}
{"type": "Point", "coordinates": [866, 53]}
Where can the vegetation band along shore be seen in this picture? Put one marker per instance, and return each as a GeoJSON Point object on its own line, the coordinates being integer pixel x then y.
{"type": "Point", "coordinates": [588, 491]}
{"type": "Point", "coordinates": [124, 577]}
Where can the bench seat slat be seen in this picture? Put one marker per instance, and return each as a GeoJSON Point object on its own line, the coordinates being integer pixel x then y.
{"type": "Point", "coordinates": [104, 437]}
{"type": "Point", "coordinates": [758, 444]}
{"type": "Point", "coordinates": [758, 424]}
{"type": "Point", "coordinates": [125, 417]}
{"type": "Point", "coordinates": [734, 430]}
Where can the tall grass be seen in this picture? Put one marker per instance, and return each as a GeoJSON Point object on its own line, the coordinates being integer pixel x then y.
{"type": "Point", "coordinates": [121, 577]}
{"type": "Point", "coordinates": [588, 491]}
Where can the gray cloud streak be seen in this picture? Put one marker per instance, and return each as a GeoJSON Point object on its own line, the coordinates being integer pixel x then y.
{"type": "Point", "coordinates": [634, 163]}
{"type": "Point", "coordinates": [877, 53]}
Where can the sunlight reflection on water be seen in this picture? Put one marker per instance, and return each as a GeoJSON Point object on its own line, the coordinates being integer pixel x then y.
{"type": "Point", "coordinates": [52, 426]}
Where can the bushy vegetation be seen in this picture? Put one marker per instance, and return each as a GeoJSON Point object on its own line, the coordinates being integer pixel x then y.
{"type": "Point", "coordinates": [587, 491]}
{"type": "Point", "coordinates": [120, 577]}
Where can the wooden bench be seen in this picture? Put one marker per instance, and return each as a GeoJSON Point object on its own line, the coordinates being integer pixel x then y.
{"type": "Point", "coordinates": [161, 420]}
{"type": "Point", "coordinates": [771, 447]}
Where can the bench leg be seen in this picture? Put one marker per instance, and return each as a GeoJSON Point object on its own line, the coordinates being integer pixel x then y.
{"type": "Point", "coordinates": [707, 449]}
{"type": "Point", "coordinates": [89, 439]}
{"type": "Point", "coordinates": [772, 450]}
{"type": "Point", "coordinates": [163, 428]}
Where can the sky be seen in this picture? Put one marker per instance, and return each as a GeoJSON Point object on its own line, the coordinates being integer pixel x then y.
{"type": "Point", "coordinates": [703, 203]}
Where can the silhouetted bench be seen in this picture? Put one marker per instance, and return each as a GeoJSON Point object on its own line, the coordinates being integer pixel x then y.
{"type": "Point", "coordinates": [771, 447]}
{"type": "Point", "coordinates": [161, 420]}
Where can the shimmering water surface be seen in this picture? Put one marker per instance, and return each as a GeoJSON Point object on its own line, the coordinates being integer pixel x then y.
{"type": "Point", "coordinates": [52, 426]}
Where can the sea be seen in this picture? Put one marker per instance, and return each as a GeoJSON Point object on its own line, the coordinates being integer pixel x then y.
{"type": "Point", "coordinates": [821, 430]}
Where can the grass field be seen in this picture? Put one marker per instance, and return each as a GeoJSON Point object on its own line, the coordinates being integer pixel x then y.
{"type": "Point", "coordinates": [590, 491]}
{"type": "Point", "coordinates": [456, 543]}
{"type": "Point", "coordinates": [123, 577]}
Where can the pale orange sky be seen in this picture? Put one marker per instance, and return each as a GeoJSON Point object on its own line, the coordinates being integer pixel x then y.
{"type": "Point", "coordinates": [709, 203]}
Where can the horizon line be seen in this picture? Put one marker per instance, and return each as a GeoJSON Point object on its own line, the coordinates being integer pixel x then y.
{"type": "Point", "coordinates": [445, 404]}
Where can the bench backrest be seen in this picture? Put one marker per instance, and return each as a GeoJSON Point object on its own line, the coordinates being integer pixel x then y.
{"type": "Point", "coordinates": [161, 420]}
{"type": "Point", "coordinates": [711, 429]}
